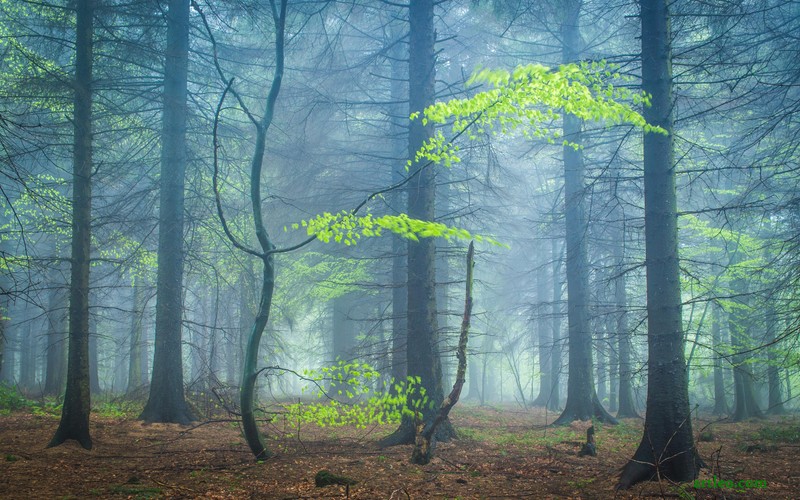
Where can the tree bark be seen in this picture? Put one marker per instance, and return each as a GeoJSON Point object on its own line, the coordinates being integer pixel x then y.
{"type": "Point", "coordinates": [422, 337]}
{"type": "Point", "coordinates": [425, 441]}
{"type": "Point", "coordinates": [74, 422]}
{"type": "Point", "coordinates": [167, 402]}
{"type": "Point", "coordinates": [582, 402]}
{"type": "Point", "coordinates": [667, 448]}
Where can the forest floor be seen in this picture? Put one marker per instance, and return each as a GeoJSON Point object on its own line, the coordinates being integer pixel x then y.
{"type": "Point", "coordinates": [501, 453]}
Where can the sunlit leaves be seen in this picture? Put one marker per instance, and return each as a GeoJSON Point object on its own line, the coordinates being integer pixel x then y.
{"type": "Point", "coordinates": [354, 401]}
{"type": "Point", "coordinates": [528, 101]}
{"type": "Point", "coordinates": [346, 228]}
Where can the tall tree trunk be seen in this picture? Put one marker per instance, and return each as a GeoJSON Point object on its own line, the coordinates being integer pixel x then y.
{"type": "Point", "coordinates": [74, 422]}
{"type": "Point", "coordinates": [667, 448]}
{"type": "Point", "coordinates": [166, 402]}
{"type": "Point", "coordinates": [582, 402]}
{"type": "Point", "coordinates": [720, 402]}
{"type": "Point", "coordinates": [422, 341]}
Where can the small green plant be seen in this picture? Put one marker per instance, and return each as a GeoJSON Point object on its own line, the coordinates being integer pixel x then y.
{"type": "Point", "coordinates": [351, 400]}
{"type": "Point", "coordinates": [11, 458]}
{"type": "Point", "coordinates": [12, 400]}
{"type": "Point", "coordinates": [780, 433]}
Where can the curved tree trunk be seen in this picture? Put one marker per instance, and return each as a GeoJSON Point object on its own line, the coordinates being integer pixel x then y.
{"type": "Point", "coordinates": [667, 448]}
{"type": "Point", "coordinates": [167, 402]}
{"type": "Point", "coordinates": [249, 371]}
{"type": "Point", "coordinates": [74, 422]}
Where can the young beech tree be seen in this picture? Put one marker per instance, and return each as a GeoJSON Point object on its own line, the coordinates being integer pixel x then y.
{"type": "Point", "coordinates": [528, 99]}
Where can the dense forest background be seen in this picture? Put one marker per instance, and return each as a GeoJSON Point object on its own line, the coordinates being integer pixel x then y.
{"type": "Point", "coordinates": [130, 269]}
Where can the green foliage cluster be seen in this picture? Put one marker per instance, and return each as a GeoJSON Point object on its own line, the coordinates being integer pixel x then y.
{"type": "Point", "coordinates": [528, 100]}
{"type": "Point", "coordinates": [11, 400]}
{"type": "Point", "coordinates": [354, 401]}
{"type": "Point", "coordinates": [345, 227]}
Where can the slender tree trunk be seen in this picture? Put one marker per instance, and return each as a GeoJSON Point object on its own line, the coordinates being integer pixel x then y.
{"type": "Point", "coordinates": [74, 422]}
{"type": "Point", "coordinates": [720, 402]}
{"type": "Point", "coordinates": [667, 448]}
{"type": "Point", "coordinates": [166, 402]}
{"type": "Point", "coordinates": [422, 340]}
{"type": "Point", "coordinates": [582, 402]}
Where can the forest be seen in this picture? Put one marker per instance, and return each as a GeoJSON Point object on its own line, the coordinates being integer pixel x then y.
{"type": "Point", "coordinates": [399, 249]}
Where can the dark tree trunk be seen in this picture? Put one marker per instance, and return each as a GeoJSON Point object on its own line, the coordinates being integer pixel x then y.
{"type": "Point", "coordinates": [166, 402]}
{"type": "Point", "coordinates": [720, 402]}
{"type": "Point", "coordinates": [582, 402]}
{"type": "Point", "coordinates": [422, 341]}
{"type": "Point", "coordinates": [74, 422]}
{"type": "Point", "coordinates": [667, 448]}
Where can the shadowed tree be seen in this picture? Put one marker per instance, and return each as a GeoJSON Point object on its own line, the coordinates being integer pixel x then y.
{"type": "Point", "coordinates": [167, 402]}
{"type": "Point", "coordinates": [74, 422]}
{"type": "Point", "coordinates": [582, 402]}
{"type": "Point", "coordinates": [667, 448]}
{"type": "Point", "coordinates": [422, 338]}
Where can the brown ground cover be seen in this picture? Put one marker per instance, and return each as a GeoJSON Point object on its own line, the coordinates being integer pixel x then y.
{"type": "Point", "coordinates": [504, 453]}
